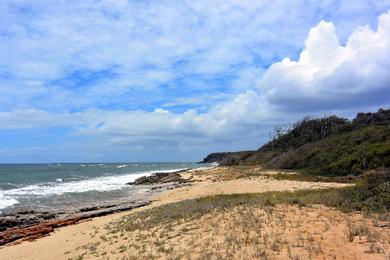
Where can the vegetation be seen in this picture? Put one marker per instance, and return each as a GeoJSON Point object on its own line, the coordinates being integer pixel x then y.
{"type": "Point", "coordinates": [305, 131]}
{"type": "Point", "coordinates": [371, 194]}
{"type": "Point", "coordinates": [348, 153]}
{"type": "Point", "coordinates": [325, 146]}
{"type": "Point", "coordinates": [227, 158]}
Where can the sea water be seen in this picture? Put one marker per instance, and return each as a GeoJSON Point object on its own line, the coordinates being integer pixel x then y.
{"type": "Point", "coordinates": [48, 187]}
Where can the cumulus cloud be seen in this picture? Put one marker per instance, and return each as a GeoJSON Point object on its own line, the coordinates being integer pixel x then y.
{"type": "Point", "coordinates": [329, 75]}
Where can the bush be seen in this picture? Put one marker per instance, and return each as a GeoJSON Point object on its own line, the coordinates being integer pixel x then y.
{"type": "Point", "coordinates": [329, 146]}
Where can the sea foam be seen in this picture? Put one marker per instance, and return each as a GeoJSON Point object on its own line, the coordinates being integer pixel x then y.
{"type": "Point", "coordinates": [104, 183]}
{"type": "Point", "coordinates": [6, 201]}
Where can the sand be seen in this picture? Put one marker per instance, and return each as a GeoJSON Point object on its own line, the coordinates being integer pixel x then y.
{"type": "Point", "coordinates": [71, 241]}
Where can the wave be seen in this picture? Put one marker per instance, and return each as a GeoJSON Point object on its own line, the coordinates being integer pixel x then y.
{"type": "Point", "coordinates": [100, 184]}
{"type": "Point", "coordinates": [121, 166]}
{"type": "Point", "coordinates": [6, 202]}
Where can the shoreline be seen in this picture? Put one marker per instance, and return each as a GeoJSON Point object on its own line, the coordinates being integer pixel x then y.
{"type": "Point", "coordinates": [232, 212]}
{"type": "Point", "coordinates": [72, 186]}
{"type": "Point", "coordinates": [30, 225]}
{"type": "Point", "coordinates": [198, 183]}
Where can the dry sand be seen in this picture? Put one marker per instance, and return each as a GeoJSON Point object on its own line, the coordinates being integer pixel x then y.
{"type": "Point", "coordinates": [252, 232]}
{"type": "Point", "coordinates": [90, 236]}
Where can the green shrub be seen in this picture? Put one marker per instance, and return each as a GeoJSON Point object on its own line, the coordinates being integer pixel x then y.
{"type": "Point", "coordinates": [338, 155]}
{"type": "Point", "coordinates": [328, 146]}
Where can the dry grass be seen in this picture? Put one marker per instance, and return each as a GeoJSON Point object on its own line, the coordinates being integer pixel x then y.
{"type": "Point", "coordinates": [248, 231]}
{"type": "Point", "coordinates": [272, 225]}
{"type": "Point", "coordinates": [224, 173]}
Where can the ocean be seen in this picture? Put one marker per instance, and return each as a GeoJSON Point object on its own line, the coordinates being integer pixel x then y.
{"type": "Point", "coordinates": [55, 187]}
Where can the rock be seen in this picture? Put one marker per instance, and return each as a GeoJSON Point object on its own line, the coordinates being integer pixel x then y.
{"type": "Point", "coordinates": [22, 219]}
{"type": "Point", "coordinates": [159, 178]}
{"type": "Point", "coordinates": [43, 228]}
{"type": "Point", "coordinates": [35, 231]}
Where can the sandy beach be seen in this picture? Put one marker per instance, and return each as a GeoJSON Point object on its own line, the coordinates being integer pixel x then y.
{"type": "Point", "coordinates": [213, 231]}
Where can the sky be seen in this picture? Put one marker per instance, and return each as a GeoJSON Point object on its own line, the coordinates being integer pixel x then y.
{"type": "Point", "coordinates": [131, 80]}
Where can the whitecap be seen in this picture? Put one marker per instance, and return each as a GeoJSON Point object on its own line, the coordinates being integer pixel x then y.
{"type": "Point", "coordinates": [6, 201]}
{"type": "Point", "coordinates": [103, 183]}
{"type": "Point", "coordinates": [122, 166]}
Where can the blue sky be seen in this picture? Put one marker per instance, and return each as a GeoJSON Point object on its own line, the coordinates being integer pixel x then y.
{"type": "Point", "coordinates": [120, 80]}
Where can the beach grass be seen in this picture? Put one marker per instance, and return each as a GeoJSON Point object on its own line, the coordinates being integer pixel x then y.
{"type": "Point", "coordinates": [369, 195]}
{"type": "Point", "coordinates": [256, 225]}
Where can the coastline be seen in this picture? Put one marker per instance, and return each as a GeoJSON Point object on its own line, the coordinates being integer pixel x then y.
{"type": "Point", "coordinates": [203, 182]}
{"type": "Point", "coordinates": [30, 225]}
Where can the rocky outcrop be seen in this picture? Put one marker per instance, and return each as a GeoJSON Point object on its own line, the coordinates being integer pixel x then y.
{"type": "Point", "coordinates": [160, 178]}
{"type": "Point", "coordinates": [13, 227]}
{"type": "Point", "coordinates": [26, 218]}
{"type": "Point", "coordinates": [35, 231]}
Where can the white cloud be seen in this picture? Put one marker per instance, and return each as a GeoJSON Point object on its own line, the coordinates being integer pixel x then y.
{"type": "Point", "coordinates": [150, 46]}
{"type": "Point", "coordinates": [139, 127]}
{"type": "Point", "coordinates": [321, 74]}
{"type": "Point", "coordinates": [326, 70]}
{"type": "Point", "coordinates": [44, 42]}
